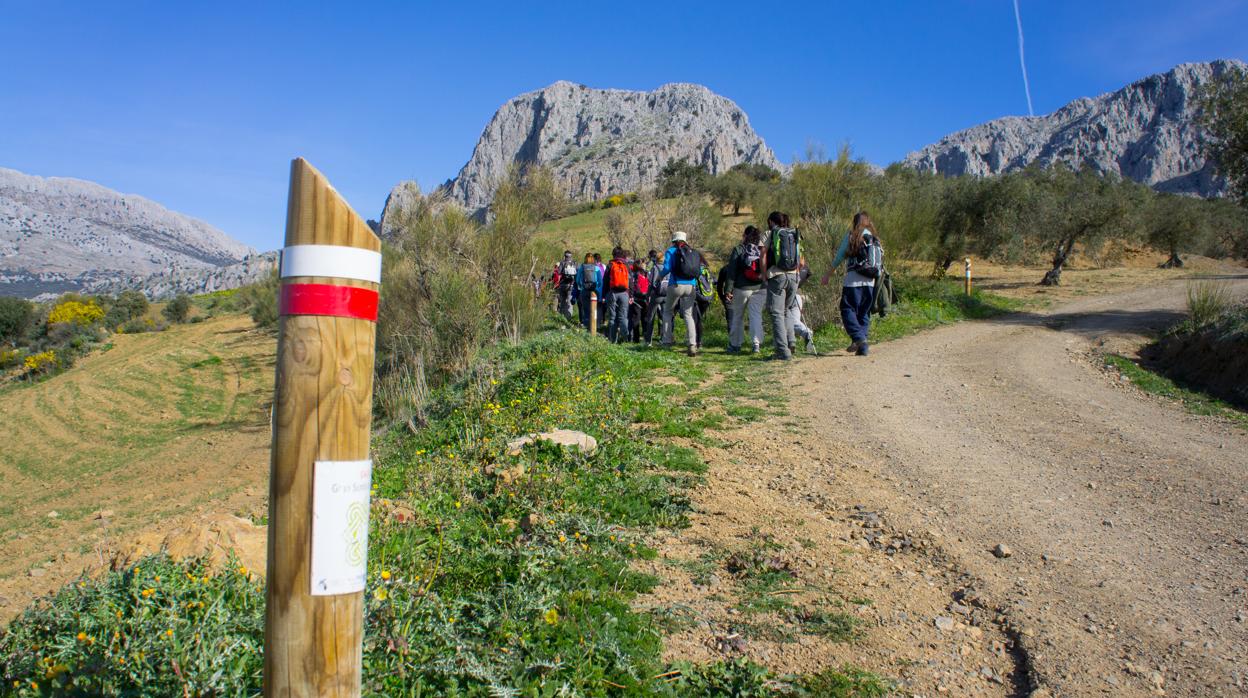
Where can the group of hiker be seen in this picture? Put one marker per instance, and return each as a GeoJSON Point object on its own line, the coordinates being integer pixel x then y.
{"type": "Point", "coordinates": [764, 272]}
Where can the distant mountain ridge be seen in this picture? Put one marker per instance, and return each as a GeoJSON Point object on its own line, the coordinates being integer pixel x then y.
{"type": "Point", "coordinates": [600, 142]}
{"type": "Point", "coordinates": [59, 234]}
{"type": "Point", "coordinates": [1146, 131]}
{"type": "Point", "coordinates": [171, 282]}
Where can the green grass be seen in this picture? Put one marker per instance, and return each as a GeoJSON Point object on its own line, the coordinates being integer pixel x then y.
{"type": "Point", "coordinates": [1194, 401]}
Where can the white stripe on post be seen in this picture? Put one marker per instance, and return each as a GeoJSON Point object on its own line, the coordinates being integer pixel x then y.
{"type": "Point", "coordinates": [335, 261]}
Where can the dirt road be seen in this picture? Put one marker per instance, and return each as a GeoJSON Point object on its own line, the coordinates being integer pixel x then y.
{"type": "Point", "coordinates": [1127, 517]}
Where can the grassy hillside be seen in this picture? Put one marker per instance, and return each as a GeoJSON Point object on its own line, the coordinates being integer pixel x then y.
{"type": "Point", "coordinates": [151, 426]}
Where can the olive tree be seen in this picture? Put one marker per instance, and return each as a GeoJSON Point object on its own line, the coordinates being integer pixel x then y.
{"type": "Point", "coordinates": [1224, 114]}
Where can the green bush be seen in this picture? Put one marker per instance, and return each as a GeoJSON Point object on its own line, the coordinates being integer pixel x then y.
{"type": "Point", "coordinates": [178, 309]}
{"type": "Point", "coordinates": [127, 306]}
{"type": "Point", "coordinates": [16, 316]}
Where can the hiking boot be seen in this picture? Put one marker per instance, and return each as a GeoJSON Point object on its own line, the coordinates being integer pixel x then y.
{"type": "Point", "coordinates": [781, 357]}
{"type": "Point", "coordinates": [733, 350]}
{"type": "Point", "coordinates": [852, 348]}
{"type": "Point", "coordinates": [693, 350]}
{"type": "Point", "coordinates": [757, 349]}
{"type": "Point", "coordinates": [863, 349]}
{"type": "Point", "coordinates": [792, 347]}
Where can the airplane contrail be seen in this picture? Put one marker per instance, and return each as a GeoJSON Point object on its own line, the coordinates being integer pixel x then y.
{"type": "Point", "coordinates": [1022, 60]}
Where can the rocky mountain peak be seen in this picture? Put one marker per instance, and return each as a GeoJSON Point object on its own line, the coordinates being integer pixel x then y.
{"type": "Point", "coordinates": [1146, 131]}
{"type": "Point", "coordinates": [600, 142]}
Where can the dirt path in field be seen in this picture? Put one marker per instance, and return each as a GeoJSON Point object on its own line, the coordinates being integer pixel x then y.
{"type": "Point", "coordinates": [1127, 517]}
{"type": "Point", "coordinates": [158, 431]}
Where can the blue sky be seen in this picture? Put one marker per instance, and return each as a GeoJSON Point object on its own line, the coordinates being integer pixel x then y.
{"type": "Point", "coordinates": [200, 106]}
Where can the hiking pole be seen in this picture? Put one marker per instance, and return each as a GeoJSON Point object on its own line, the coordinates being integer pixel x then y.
{"type": "Point", "coordinates": [593, 314]}
{"type": "Point", "coordinates": [320, 472]}
{"type": "Point", "coordinates": [967, 261]}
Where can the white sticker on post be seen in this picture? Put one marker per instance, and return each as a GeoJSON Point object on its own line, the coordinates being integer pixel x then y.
{"type": "Point", "coordinates": [340, 492]}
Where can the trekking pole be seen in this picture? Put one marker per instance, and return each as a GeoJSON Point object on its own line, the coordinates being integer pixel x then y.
{"type": "Point", "coordinates": [593, 314]}
{"type": "Point", "coordinates": [967, 261]}
{"type": "Point", "coordinates": [320, 471]}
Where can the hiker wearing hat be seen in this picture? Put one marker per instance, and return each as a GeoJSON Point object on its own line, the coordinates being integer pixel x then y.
{"type": "Point", "coordinates": [682, 264]}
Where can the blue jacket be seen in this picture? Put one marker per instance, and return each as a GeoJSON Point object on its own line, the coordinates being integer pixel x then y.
{"type": "Point", "coordinates": [597, 288]}
{"type": "Point", "coordinates": [668, 258]}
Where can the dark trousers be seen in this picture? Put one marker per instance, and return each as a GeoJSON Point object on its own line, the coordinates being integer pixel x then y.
{"type": "Point", "coordinates": [699, 311]}
{"type": "Point", "coordinates": [636, 314]}
{"type": "Point", "coordinates": [856, 304]}
{"type": "Point", "coordinates": [582, 300]}
{"type": "Point", "coordinates": [653, 306]}
{"type": "Point", "coordinates": [563, 293]}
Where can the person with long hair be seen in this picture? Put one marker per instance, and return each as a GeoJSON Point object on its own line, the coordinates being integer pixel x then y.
{"type": "Point", "coordinates": [746, 290]}
{"type": "Point", "coordinates": [860, 250]}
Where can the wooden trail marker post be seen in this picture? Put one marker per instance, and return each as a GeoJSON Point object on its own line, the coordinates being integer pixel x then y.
{"type": "Point", "coordinates": [967, 261]}
{"type": "Point", "coordinates": [320, 473]}
{"type": "Point", "coordinates": [593, 314]}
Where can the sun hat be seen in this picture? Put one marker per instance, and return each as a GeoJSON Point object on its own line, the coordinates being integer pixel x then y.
{"type": "Point", "coordinates": [679, 236]}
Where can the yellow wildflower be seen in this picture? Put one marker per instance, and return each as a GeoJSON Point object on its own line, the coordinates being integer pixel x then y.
{"type": "Point", "coordinates": [385, 574]}
{"type": "Point", "coordinates": [82, 637]}
{"type": "Point", "coordinates": [551, 617]}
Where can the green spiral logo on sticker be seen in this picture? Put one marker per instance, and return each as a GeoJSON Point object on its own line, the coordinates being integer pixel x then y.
{"type": "Point", "coordinates": [356, 533]}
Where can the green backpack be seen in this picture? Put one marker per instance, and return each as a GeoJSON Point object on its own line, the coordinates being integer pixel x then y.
{"type": "Point", "coordinates": [706, 284]}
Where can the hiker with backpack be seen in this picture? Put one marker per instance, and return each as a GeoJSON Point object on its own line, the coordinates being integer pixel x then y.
{"type": "Point", "coordinates": [588, 281]}
{"type": "Point", "coordinates": [639, 304]}
{"type": "Point", "coordinates": [748, 290]}
{"type": "Point", "coordinates": [702, 301]}
{"type": "Point", "coordinates": [654, 299]}
{"type": "Point", "coordinates": [681, 264]}
{"type": "Point", "coordinates": [782, 258]}
{"type": "Point", "coordinates": [564, 280]}
{"type": "Point", "coordinates": [860, 249]}
{"type": "Point", "coordinates": [602, 314]}
{"type": "Point", "coordinates": [617, 294]}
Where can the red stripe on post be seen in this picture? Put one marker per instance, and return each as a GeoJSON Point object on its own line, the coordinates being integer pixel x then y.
{"type": "Point", "coordinates": [329, 299]}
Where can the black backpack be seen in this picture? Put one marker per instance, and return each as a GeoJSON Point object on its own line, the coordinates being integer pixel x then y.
{"type": "Point", "coordinates": [589, 275]}
{"type": "Point", "coordinates": [786, 249]}
{"type": "Point", "coordinates": [869, 261]}
{"type": "Point", "coordinates": [686, 263]}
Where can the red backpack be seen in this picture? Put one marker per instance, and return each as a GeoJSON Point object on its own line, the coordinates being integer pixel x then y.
{"type": "Point", "coordinates": [643, 284]}
{"type": "Point", "coordinates": [617, 275]}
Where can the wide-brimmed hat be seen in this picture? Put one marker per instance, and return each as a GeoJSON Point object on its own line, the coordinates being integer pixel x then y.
{"type": "Point", "coordinates": [679, 236]}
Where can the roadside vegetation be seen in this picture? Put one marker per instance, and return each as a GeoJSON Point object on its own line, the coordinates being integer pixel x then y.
{"type": "Point", "coordinates": [1203, 360]}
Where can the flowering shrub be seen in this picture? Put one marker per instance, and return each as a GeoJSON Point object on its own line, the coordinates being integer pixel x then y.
{"type": "Point", "coordinates": [77, 313]}
{"type": "Point", "coordinates": [612, 201]}
{"type": "Point", "coordinates": [9, 358]}
{"type": "Point", "coordinates": [42, 362]}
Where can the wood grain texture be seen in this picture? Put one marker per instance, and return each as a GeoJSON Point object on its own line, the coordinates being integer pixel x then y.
{"type": "Point", "coordinates": [322, 411]}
